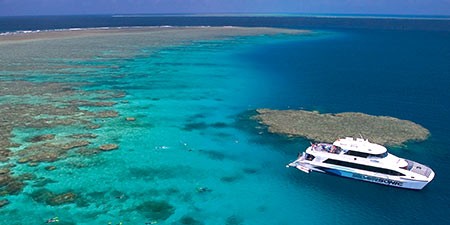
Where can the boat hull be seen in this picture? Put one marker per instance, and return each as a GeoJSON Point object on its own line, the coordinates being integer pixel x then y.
{"type": "Point", "coordinates": [361, 160]}
{"type": "Point", "coordinates": [389, 181]}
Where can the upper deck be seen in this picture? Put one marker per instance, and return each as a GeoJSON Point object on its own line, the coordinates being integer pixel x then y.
{"type": "Point", "coordinates": [325, 147]}
{"type": "Point", "coordinates": [360, 145]}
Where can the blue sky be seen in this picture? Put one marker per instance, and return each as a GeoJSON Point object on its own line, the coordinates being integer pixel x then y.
{"type": "Point", "coordinates": [64, 7]}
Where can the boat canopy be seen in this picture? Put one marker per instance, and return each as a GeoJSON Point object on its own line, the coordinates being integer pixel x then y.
{"type": "Point", "coordinates": [360, 145]}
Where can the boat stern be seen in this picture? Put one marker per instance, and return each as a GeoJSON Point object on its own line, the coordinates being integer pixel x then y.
{"type": "Point", "coordinates": [300, 163]}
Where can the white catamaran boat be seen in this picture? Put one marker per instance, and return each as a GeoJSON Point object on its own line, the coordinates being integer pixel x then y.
{"type": "Point", "coordinates": [362, 160]}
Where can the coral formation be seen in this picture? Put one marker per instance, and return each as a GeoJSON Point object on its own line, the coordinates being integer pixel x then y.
{"type": "Point", "coordinates": [319, 127]}
{"type": "Point", "coordinates": [108, 147]}
{"type": "Point", "coordinates": [156, 210]}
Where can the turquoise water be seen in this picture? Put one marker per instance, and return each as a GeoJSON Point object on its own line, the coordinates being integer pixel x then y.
{"type": "Point", "coordinates": [185, 100]}
{"type": "Point", "coordinates": [192, 156]}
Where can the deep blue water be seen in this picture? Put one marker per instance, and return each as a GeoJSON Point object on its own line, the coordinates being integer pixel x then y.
{"type": "Point", "coordinates": [399, 73]}
{"type": "Point", "coordinates": [10, 24]}
{"type": "Point", "coordinates": [396, 68]}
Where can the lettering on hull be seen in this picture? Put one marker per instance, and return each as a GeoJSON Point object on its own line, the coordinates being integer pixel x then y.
{"type": "Point", "coordinates": [378, 180]}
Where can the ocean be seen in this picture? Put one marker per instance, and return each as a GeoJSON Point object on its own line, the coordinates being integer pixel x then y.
{"type": "Point", "coordinates": [193, 155]}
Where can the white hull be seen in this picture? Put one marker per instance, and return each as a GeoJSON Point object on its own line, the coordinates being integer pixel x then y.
{"type": "Point", "coordinates": [385, 180]}
{"type": "Point", "coordinates": [394, 181]}
{"type": "Point", "coordinates": [361, 160]}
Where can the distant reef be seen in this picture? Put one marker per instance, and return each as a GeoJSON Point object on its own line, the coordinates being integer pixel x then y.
{"type": "Point", "coordinates": [327, 127]}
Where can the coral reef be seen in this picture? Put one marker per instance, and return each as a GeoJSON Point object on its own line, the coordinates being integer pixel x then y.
{"type": "Point", "coordinates": [48, 152]}
{"type": "Point", "coordinates": [46, 105]}
{"type": "Point", "coordinates": [44, 137]}
{"type": "Point", "coordinates": [319, 127]}
{"type": "Point", "coordinates": [3, 202]}
{"type": "Point", "coordinates": [10, 185]}
{"type": "Point", "coordinates": [81, 136]}
{"type": "Point", "coordinates": [51, 198]}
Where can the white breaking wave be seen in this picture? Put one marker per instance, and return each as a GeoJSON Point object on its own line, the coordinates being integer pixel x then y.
{"type": "Point", "coordinates": [100, 28]}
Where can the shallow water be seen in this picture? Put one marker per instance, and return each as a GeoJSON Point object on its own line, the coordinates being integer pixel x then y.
{"type": "Point", "coordinates": [192, 156]}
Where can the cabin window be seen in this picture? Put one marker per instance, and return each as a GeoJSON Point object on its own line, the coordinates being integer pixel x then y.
{"type": "Point", "coordinates": [382, 155]}
{"type": "Point", "coordinates": [359, 154]}
{"type": "Point", "coordinates": [309, 157]}
{"type": "Point", "coordinates": [363, 167]}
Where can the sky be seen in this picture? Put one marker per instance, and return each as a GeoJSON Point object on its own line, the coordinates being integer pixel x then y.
{"type": "Point", "coordinates": [76, 7]}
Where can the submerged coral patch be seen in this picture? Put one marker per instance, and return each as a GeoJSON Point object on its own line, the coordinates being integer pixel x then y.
{"type": "Point", "coordinates": [108, 147]}
{"type": "Point", "coordinates": [44, 137]}
{"type": "Point", "coordinates": [42, 106]}
{"type": "Point", "coordinates": [219, 125]}
{"type": "Point", "coordinates": [50, 198]}
{"type": "Point", "coordinates": [215, 155]}
{"type": "Point", "coordinates": [195, 126]}
{"type": "Point", "coordinates": [250, 170]}
{"type": "Point", "coordinates": [156, 210]}
{"type": "Point", "coordinates": [202, 125]}
{"type": "Point", "coordinates": [81, 136]}
{"type": "Point", "coordinates": [107, 114]}
{"type": "Point", "coordinates": [48, 152]}
{"type": "Point", "coordinates": [91, 103]}
{"type": "Point", "coordinates": [234, 220]}
{"type": "Point", "coordinates": [4, 202]}
{"type": "Point", "coordinates": [189, 220]}
{"type": "Point", "coordinates": [10, 185]}
{"type": "Point", "coordinates": [41, 182]}
{"type": "Point", "coordinates": [229, 179]}
{"type": "Point", "coordinates": [151, 173]}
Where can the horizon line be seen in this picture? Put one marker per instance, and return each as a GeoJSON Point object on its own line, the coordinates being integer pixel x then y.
{"type": "Point", "coordinates": [312, 15]}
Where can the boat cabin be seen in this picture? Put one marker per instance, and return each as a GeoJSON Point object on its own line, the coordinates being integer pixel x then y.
{"type": "Point", "coordinates": [360, 147]}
